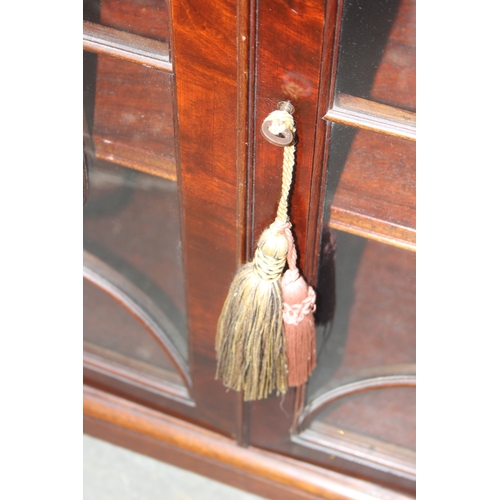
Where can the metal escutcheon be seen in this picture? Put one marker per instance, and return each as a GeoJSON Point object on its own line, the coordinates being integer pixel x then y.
{"type": "Point", "coordinates": [287, 138]}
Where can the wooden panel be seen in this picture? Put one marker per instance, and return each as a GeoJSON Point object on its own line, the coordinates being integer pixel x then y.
{"type": "Point", "coordinates": [255, 470]}
{"type": "Point", "coordinates": [210, 132]}
{"type": "Point", "coordinates": [375, 197]}
{"type": "Point", "coordinates": [133, 117]}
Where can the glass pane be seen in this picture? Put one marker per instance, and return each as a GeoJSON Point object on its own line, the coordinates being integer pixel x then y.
{"type": "Point", "coordinates": [365, 318]}
{"type": "Point", "coordinates": [148, 18]}
{"type": "Point", "coordinates": [380, 421]}
{"type": "Point", "coordinates": [132, 223]}
{"type": "Point", "coordinates": [110, 332]}
{"type": "Point", "coordinates": [130, 113]}
{"type": "Point", "coordinates": [371, 185]}
{"type": "Point", "coordinates": [366, 310]}
{"type": "Point", "coordinates": [377, 52]}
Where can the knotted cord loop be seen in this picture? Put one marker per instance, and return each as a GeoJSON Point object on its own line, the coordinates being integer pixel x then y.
{"type": "Point", "coordinates": [281, 120]}
{"type": "Point", "coordinates": [282, 227]}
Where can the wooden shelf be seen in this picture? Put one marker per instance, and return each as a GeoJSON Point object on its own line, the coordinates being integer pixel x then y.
{"type": "Point", "coordinates": [126, 46]}
{"type": "Point", "coordinates": [370, 115]}
{"type": "Point", "coordinates": [138, 136]}
{"type": "Point", "coordinates": [375, 197]}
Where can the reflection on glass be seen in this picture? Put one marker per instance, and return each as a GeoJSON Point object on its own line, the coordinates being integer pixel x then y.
{"type": "Point", "coordinates": [110, 332]}
{"type": "Point", "coordinates": [371, 185]}
{"type": "Point", "coordinates": [366, 324]}
{"type": "Point", "coordinates": [377, 52]}
{"type": "Point", "coordinates": [140, 17]}
{"type": "Point", "coordinates": [366, 311]}
{"type": "Point", "coordinates": [132, 234]}
{"type": "Point", "coordinates": [130, 113]}
{"type": "Point", "coordinates": [365, 318]}
{"type": "Point", "coordinates": [132, 222]}
{"type": "Point", "coordinates": [380, 421]}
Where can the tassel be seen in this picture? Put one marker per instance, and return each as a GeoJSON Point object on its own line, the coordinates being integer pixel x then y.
{"type": "Point", "coordinates": [299, 304]}
{"type": "Point", "coordinates": [250, 342]}
{"type": "Point", "coordinates": [252, 335]}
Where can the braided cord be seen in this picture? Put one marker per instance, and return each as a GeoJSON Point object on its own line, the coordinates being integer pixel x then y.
{"type": "Point", "coordinates": [288, 163]}
{"type": "Point", "coordinates": [282, 120]}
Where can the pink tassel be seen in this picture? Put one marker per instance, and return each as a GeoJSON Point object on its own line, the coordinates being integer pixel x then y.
{"type": "Point", "coordinates": [299, 304]}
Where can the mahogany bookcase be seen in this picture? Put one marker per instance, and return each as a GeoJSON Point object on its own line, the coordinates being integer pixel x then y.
{"type": "Point", "coordinates": [178, 185]}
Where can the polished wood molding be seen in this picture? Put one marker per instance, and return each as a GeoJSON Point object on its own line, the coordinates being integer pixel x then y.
{"type": "Point", "coordinates": [126, 46]}
{"type": "Point", "coordinates": [141, 307]}
{"type": "Point", "coordinates": [245, 73]}
{"type": "Point", "coordinates": [369, 115]}
{"type": "Point", "coordinates": [321, 143]}
{"type": "Point", "coordinates": [257, 464]}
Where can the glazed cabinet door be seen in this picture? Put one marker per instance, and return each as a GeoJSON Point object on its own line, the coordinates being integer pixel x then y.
{"type": "Point", "coordinates": [348, 67]}
{"type": "Point", "coordinates": [161, 223]}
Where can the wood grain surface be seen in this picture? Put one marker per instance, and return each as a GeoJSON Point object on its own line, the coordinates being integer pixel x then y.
{"type": "Point", "coordinates": [287, 67]}
{"type": "Point", "coordinates": [209, 132]}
